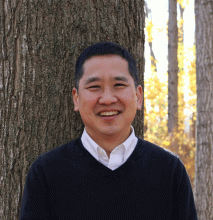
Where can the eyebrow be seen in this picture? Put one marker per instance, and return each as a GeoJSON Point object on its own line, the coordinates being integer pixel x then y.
{"type": "Point", "coordinates": [95, 79]}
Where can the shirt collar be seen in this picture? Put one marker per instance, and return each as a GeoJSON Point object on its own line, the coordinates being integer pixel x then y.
{"type": "Point", "coordinates": [92, 146]}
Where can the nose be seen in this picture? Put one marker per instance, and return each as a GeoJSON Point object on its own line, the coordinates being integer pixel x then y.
{"type": "Point", "coordinates": [107, 97]}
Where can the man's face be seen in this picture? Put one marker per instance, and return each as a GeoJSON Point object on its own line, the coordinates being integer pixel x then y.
{"type": "Point", "coordinates": [107, 87]}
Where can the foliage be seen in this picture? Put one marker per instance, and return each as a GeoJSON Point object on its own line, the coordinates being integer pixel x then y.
{"type": "Point", "coordinates": [180, 30]}
{"type": "Point", "coordinates": [149, 29]}
{"type": "Point", "coordinates": [156, 108]}
{"type": "Point", "coordinates": [183, 3]}
{"type": "Point", "coordinates": [192, 85]}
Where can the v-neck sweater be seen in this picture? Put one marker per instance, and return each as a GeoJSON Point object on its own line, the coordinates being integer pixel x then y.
{"type": "Point", "coordinates": [118, 155]}
{"type": "Point", "coordinates": [69, 183]}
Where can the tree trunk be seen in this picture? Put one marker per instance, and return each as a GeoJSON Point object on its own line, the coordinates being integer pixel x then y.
{"type": "Point", "coordinates": [172, 68]}
{"type": "Point", "coordinates": [40, 42]}
{"type": "Point", "coordinates": [181, 35]}
{"type": "Point", "coordinates": [204, 137]}
{"type": "Point", "coordinates": [152, 55]}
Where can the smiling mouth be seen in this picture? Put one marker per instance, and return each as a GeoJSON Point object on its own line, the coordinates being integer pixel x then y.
{"type": "Point", "coordinates": [110, 115]}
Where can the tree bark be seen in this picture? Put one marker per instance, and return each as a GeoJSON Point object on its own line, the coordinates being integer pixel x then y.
{"type": "Point", "coordinates": [172, 68]}
{"type": "Point", "coordinates": [40, 42]}
{"type": "Point", "coordinates": [204, 134]}
{"type": "Point", "coordinates": [152, 55]}
{"type": "Point", "coordinates": [181, 36]}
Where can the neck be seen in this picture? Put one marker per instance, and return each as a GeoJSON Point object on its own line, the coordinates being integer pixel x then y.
{"type": "Point", "coordinates": [109, 143]}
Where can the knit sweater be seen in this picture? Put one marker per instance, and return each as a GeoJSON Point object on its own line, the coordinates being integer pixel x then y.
{"type": "Point", "coordinates": [69, 183]}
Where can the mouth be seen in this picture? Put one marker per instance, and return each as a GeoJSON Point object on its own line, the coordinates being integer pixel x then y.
{"type": "Point", "coordinates": [109, 118]}
{"type": "Point", "coordinates": [109, 114]}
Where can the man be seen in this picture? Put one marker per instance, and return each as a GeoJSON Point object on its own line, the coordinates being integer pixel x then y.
{"type": "Point", "coordinates": [108, 172]}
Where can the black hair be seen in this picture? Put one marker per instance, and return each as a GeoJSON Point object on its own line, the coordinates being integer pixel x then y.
{"type": "Point", "coordinates": [105, 48]}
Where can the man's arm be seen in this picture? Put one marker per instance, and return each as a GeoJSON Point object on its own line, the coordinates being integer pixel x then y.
{"type": "Point", "coordinates": [183, 199]}
{"type": "Point", "coordinates": [35, 201]}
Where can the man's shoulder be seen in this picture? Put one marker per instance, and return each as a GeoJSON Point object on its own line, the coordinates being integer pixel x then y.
{"type": "Point", "coordinates": [59, 154]}
{"type": "Point", "coordinates": [158, 158]}
{"type": "Point", "coordinates": [61, 149]}
{"type": "Point", "coordinates": [153, 149]}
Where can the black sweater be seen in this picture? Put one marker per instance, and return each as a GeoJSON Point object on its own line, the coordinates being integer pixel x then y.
{"type": "Point", "coordinates": [69, 183]}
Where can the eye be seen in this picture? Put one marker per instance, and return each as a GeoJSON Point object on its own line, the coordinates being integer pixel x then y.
{"type": "Point", "coordinates": [118, 84]}
{"type": "Point", "coordinates": [94, 87]}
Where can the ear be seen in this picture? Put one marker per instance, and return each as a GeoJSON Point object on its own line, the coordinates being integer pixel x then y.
{"type": "Point", "coordinates": [75, 99]}
{"type": "Point", "coordinates": [139, 94]}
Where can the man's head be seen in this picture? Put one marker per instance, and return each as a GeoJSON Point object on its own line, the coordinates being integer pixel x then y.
{"type": "Point", "coordinates": [105, 48]}
{"type": "Point", "coordinates": [107, 96]}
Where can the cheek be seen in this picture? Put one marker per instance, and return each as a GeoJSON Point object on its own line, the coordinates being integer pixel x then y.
{"type": "Point", "coordinates": [131, 103]}
{"type": "Point", "coordinates": [129, 98]}
{"type": "Point", "coordinates": [88, 102]}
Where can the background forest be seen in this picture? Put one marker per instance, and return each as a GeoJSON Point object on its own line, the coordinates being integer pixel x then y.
{"type": "Point", "coordinates": [156, 83]}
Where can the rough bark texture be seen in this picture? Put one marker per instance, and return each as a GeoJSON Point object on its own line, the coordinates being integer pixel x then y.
{"type": "Point", "coordinates": [204, 136]}
{"type": "Point", "coordinates": [172, 67]}
{"type": "Point", "coordinates": [40, 42]}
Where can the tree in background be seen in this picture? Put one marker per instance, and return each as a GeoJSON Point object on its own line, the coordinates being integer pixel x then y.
{"type": "Point", "coordinates": [191, 104]}
{"type": "Point", "coordinates": [155, 121]}
{"type": "Point", "coordinates": [149, 27]}
{"type": "Point", "coordinates": [181, 72]}
{"type": "Point", "coordinates": [172, 71]}
{"type": "Point", "coordinates": [185, 143]}
{"type": "Point", "coordinates": [204, 137]}
{"type": "Point", "coordinates": [156, 105]}
{"type": "Point", "coordinates": [41, 41]}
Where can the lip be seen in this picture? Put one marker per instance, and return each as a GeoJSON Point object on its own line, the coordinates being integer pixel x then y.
{"type": "Point", "coordinates": [109, 110]}
{"type": "Point", "coordinates": [109, 118]}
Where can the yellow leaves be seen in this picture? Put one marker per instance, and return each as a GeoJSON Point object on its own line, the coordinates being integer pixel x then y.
{"type": "Point", "coordinates": [192, 82]}
{"type": "Point", "coordinates": [156, 107]}
{"type": "Point", "coordinates": [180, 22]}
{"type": "Point", "coordinates": [192, 74]}
{"type": "Point", "coordinates": [166, 143]}
{"type": "Point", "coordinates": [181, 142]}
{"type": "Point", "coordinates": [183, 3]}
{"type": "Point", "coordinates": [161, 30]}
{"type": "Point", "coordinates": [149, 29]}
{"type": "Point", "coordinates": [181, 55]}
{"type": "Point", "coordinates": [157, 89]}
{"type": "Point", "coordinates": [180, 30]}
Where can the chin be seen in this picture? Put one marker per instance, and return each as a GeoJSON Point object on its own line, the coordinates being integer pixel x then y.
{"type": "Point", "coordinates": [110, 131]}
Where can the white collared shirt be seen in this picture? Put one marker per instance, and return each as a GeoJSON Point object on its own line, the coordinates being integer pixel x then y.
{"type": "Point", "coordinates": [117, 157]}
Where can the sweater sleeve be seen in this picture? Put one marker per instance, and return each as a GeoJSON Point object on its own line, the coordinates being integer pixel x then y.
{"type": "Point", "coordinates": [35, 201]}
{"type": "Point", "coordinates": [183, 199]}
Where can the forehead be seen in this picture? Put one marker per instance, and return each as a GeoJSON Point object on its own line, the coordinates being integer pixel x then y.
{"type": "Point", "coordinates": [105, 65]}
{"type": "Point", "coordinates": [101, 59]}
